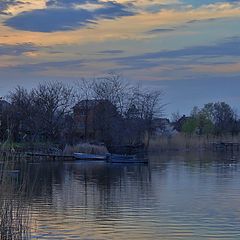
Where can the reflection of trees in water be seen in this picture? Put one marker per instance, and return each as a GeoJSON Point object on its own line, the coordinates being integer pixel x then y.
{"type": "Point", "coordinates": [96, 191]}
{"type": "Point", "coordinates": [224, 165]}
{"type": "Point", "coordinates": [43, 176]}
{"type": "Point", "coordinates": [75, 193]}
{"type": "Point", "coordinates": [102, 187]}
{"type": "Point", "coordinates": [96, 188]}
{"type": "Point", "coordinates": [14, 211]}
{"type": "Point", "coordinates": [114, 187]}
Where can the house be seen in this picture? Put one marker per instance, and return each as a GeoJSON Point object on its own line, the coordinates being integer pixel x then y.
{"type": "Point", "coordinates": [132, 112]}
{"type": "Point", "coordinates": [92, 116]}
{"type": "Point", "coordinates": [180, 122]}
{"type": "Point", "coordinates": [162, 126]}
{"type": "Point", "coordinates": [3, 105]}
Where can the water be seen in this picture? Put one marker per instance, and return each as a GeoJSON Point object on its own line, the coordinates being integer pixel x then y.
{"type": "Point", "coordinates": [174, 197]}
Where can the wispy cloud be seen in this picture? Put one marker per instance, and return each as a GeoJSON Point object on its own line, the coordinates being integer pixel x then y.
{"type": "Point", "coordinates": [14, 7]}
{"type": "Point", "coordinates": [229, 47]}
{"type": "Point", "coordinates": [160, 30]}
{"type": "Point", "coordinates": [222, 68]}
{"type": "Point", "coordinates": [111, 52]}
{"type": "Point", "coordinates": [65, 18]}
{"type": "Point", "coordinates": [17, 50]}
{"type": "Point", "coordinates": [110, 21]}
{"type": "Point", "coordinates": [44, 66]}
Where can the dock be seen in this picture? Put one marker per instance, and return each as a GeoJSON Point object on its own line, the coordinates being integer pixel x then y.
{"type": "Point", "coordinates": [50, 156]}
{"type": "Point", "coordinates": [226, 146]}
{"type": "Point", "coordinates": [31, 157]}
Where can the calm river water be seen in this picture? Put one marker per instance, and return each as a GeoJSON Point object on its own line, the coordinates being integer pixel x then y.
{"type": "Point", "coordinates": [174, 197]}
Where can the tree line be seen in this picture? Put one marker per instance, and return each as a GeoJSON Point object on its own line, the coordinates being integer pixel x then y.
{"type": "Point", "coordinates": [122, 113]}
{"type": "Point", "coordinates": [216, 119]}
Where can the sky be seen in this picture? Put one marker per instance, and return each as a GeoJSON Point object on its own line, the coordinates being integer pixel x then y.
{"type": "Point", "coordinates": [189, 49]}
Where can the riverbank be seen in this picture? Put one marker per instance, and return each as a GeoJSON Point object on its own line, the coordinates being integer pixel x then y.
{"type": "Point", "coordinates": [32, 152]}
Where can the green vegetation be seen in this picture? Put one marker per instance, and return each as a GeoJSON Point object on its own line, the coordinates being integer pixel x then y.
{"type": "Point", "coordinates": [190, 126]}
{"type": "Point", "coordinates": [216, 119]}
{"type": "Point", "coordinates": [214, 122]}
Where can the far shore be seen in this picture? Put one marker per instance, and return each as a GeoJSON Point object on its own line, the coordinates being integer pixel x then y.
{"type": "Point", "coordinates": [158, 144]}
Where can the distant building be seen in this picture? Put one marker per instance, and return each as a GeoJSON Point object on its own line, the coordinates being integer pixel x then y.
{"type": "Point", "coordinates": [163, 126]}
{"type": "Point", "coordinates": [89, 114]}
{"type": "Point", "coordinates": [180, 122]}
{"type": "Point", "coordinates": [132, 112]}
{"type": "Point", "coordinates": [3, 105]}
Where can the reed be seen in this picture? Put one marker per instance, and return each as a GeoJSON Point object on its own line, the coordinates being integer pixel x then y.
{"type": "Point", "coordinates": [85, 148]}
{"type": "Point", "coordinates": [183, 142]}
{"type": "Point", "coordinates": [14, 211]}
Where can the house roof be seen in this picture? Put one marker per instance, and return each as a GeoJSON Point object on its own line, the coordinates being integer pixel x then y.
{"type": "Point", "coordinates": [90, 103]}
{"type": "Point", "coordinates": [4, 104]}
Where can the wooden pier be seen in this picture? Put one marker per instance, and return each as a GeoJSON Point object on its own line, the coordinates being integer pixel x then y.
{"type": "Point", "coordinates": [33, 157]}
{"type": "Point", "coordinates": [226, 146]}
{"type": "Point", "coordinates": [50, 157]}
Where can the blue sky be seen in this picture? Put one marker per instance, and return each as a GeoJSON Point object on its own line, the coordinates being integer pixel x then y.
{"type": "Point", "coordinates": [189, 49]}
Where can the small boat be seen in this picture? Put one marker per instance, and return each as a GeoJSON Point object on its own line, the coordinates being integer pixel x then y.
{"type": "Point", "coordinates": [87, 156]}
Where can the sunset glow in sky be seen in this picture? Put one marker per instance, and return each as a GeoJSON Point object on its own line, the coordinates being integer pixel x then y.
{"type": "Point", "coordinates": [188, 48]}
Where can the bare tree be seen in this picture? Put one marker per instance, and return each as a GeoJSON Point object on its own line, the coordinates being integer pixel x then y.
{"type": "Point", "coordinates": [111, 109]}
{"type": "Point", "coordinates": [147, 105]}
{"type": "Point", "coordinates": [112, 88]}
{"type": "Point", "coordinates": [85, 94]}
{"type": "Point", "coordinates": [102, 102]}
{"type": "Point", "coordinates": [53, 101]}
{"type": "Point", "coordinates": [21, 114]}
{"type": "Point", "coordinates": [123, 113]}
{"type": "Point", "coordinates": [40, 112]}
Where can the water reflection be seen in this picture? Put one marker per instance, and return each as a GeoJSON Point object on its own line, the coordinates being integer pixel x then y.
{"type": "Point", "coordinates": [86, 195]}
{"type": "Point", "coordinates": [176, 196]}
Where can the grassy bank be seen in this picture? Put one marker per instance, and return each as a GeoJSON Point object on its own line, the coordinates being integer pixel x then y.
{"type": "Point", "coordinates": [17, 151]}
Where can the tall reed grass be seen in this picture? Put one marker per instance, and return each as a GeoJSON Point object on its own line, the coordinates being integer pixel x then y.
{"type": "Point", "coordinates": [85, 148]}
{"type": "Point", "coordinates": [14, 211]}
{"type": "Point", "coordinates": [183, 142]}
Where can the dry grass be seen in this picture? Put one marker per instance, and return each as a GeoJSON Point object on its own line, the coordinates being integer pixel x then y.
{"type": "Point", "coordinates": [85, 148]}
{"type": "Point", "coordinates": [182, 142]}
{"type": "Point", "coordinates": [14, 213]}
